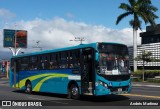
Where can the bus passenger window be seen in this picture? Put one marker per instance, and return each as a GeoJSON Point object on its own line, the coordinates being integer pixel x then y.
{"type": "Point", "coordinates": [64, 60]}
{"type": "Point", "coordinates": [53, 61]}
{"type": "Point", "coordinates": [33, 63]}
{"type": "Point", "coordinates": [44, 62]}
{"type": "Point", "coordinates": [74, 59]}
{"type": "Point", "coordinates": [24, 63]}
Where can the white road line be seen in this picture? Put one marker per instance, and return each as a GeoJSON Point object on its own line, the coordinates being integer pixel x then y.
{"type": "Point", "coordinates": [145, 96]}
{"type": "Point", "coordinates": [145, 85]}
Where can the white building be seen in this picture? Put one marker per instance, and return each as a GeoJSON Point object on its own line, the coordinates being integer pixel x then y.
{"type": "Point", "coordinates": [150, 42]}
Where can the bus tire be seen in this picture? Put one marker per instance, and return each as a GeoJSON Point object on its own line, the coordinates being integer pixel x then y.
{"type": "Point", "coordinates": [74, 91]}
{"type": "Point", "coordinates": [28, 87]}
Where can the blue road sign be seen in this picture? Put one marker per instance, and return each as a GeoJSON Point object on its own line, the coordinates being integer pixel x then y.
{"type": "Point", "coordinates": [8, 40]}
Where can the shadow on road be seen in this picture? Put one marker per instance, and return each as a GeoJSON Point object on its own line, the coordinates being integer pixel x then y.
{"type": "Point", "coordinates": [107, 98]}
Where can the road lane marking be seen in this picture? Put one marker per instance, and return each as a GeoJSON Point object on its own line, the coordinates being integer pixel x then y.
{"type": "Point", "coordinates": [145, 96]}
{"type": "Point", "coordinates": [146, 85]}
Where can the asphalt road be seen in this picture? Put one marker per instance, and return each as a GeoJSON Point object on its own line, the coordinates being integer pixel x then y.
{"type": "Point", "coordinates": [139, 92]}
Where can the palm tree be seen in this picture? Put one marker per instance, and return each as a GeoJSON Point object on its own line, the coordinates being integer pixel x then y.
{"type": "Point", "coordinates": [140, 9]}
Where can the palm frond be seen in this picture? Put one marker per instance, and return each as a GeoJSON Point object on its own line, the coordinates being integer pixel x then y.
{"type": "Point", "coordinates": [152, 8]}
{"type": "Point", "coordinates": [136, 23]}
{"type": "Point", "coordinates": [140, 9]}
{"type": "Point", "coordinates": [144, 17]}
{"type": "Point", "coordinates": [132, 2]}
{"type": "Point", "coordinates": [125, 6]}
{"type": "Point", "coordinates": [120, 17]}
{"type": "Point", "coordinates": [144, 2]}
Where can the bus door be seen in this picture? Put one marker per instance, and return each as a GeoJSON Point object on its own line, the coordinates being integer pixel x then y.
{"type": "Point", "coordinates": [15, 75]}
{"type": "Point", "coordinates": [87, 71]}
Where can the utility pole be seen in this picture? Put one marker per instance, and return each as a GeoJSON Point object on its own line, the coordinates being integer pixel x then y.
{"type": "Point", "coordinates": [15, 50]}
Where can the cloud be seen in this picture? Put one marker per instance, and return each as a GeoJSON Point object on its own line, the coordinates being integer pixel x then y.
{"type": "Point", "coordinates": [6, 14]}
{"type": "Point", "coordinates": [58, 32]}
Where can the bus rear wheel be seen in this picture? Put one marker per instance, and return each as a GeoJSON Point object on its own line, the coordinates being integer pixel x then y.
{"type": "Point", "coordinates": [74, 91]}
{"type": "Point", "coordinates": [28, 88]}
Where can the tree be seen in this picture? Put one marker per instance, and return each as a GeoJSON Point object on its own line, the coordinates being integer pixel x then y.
{"type": "Point", "coordinates": [140, 9]}
{"type": "Point", "coordinates": [145, 57]}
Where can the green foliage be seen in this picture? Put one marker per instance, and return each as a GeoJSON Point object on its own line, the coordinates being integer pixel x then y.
{"type": "Point", "coordinates": [136, 80]}
{"type": "Point", "coordinates": [153, 80]}
{"type": "Point", "coordinates": [145, 57]}
{"type": "Point", "coordinates": [146, 71]}
{"type": "Point", "coordinates": [139, 9]}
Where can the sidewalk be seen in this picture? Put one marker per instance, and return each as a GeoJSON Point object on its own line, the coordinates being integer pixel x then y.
{"type": "Point", "coordinates": [3, 76]}
{"type": "Point", "coordinates": [4, 81]}
{"type": "Point", "coordinates": [145, 84]}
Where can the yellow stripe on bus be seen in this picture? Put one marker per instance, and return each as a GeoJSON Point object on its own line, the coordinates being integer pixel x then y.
{"type": "Point", "coordinates": [31, 78]}
{"type": "Point", "coordinates": [38, 86]}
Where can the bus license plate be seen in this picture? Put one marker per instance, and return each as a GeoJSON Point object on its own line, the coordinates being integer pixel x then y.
{"type": "Point", "coordinates": [119, 90]}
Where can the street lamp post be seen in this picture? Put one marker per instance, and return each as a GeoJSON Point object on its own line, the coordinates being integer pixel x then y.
{"type": "Point", "coordinates": [80, 39]}
{"type": "Point", "coordinates": [15, 39]}
{"type": "Point", "coordinates": [15, 50]}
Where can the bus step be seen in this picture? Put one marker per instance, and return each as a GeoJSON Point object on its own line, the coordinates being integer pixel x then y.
{"type": "Point", "coordinates": [90, 90]}
{"type": "Point", "coordinates": [87, 94]}
{"type": "Point", "coordinates": [90, 84]}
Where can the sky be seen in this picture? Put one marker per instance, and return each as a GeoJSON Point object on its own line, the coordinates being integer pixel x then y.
{"type": "Point", "coordinates": [55, 22]}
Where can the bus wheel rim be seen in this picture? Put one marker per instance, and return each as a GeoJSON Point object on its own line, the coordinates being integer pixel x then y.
{"type": "Point", "coordinates": [74, 91]}
{"type": "Point", "coordinates": [28, 88]}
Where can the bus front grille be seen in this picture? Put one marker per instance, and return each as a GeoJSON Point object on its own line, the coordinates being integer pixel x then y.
{"type": "Point", "coordinates": [116, 77]}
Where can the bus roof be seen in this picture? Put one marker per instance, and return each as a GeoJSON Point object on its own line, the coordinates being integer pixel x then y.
{"type": "Point", "coordinates": [94, 45]}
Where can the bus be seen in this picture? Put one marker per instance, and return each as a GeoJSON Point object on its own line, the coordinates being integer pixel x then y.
{"type": "Point", "coordinates": [95, 69]}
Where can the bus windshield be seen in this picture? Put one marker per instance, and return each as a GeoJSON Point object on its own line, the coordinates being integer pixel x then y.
{"type": "Point", "coordinates": [113, 59]}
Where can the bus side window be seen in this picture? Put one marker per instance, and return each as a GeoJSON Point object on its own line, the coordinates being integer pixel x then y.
{"type": "Point", "coordinates": [18, 66]}
{"type": "Point", "coordinates": [64, 59]}
{"type": "Point", "coordinates": [53, 61]}
{"type": "Point", "coordinates": [74, 59]}
{"type": "Point", "coordinates": [33, 63]}
{"type": "Point", "coordinates": [12, 65]}
{"type": "Point", "coordinates": [44, 62]}
{"type": "Point", "coordinates": [24, 63]}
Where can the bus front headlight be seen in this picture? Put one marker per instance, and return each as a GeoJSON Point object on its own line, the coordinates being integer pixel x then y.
{"type": "Point", "coordinates": [103, 84]}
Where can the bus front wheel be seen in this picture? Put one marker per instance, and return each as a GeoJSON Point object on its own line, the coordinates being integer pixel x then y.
{"type": "Point", "coordinates": [74, 91]}
{"type": "Point", "coordinates": [28, 88]}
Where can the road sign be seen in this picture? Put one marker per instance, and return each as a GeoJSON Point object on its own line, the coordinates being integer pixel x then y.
{"type": "Point", "coordinates": [9, 38]}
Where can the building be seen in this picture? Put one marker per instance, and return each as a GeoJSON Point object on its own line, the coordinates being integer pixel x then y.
{"type": "Point", "coordinates": [150, 41]}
